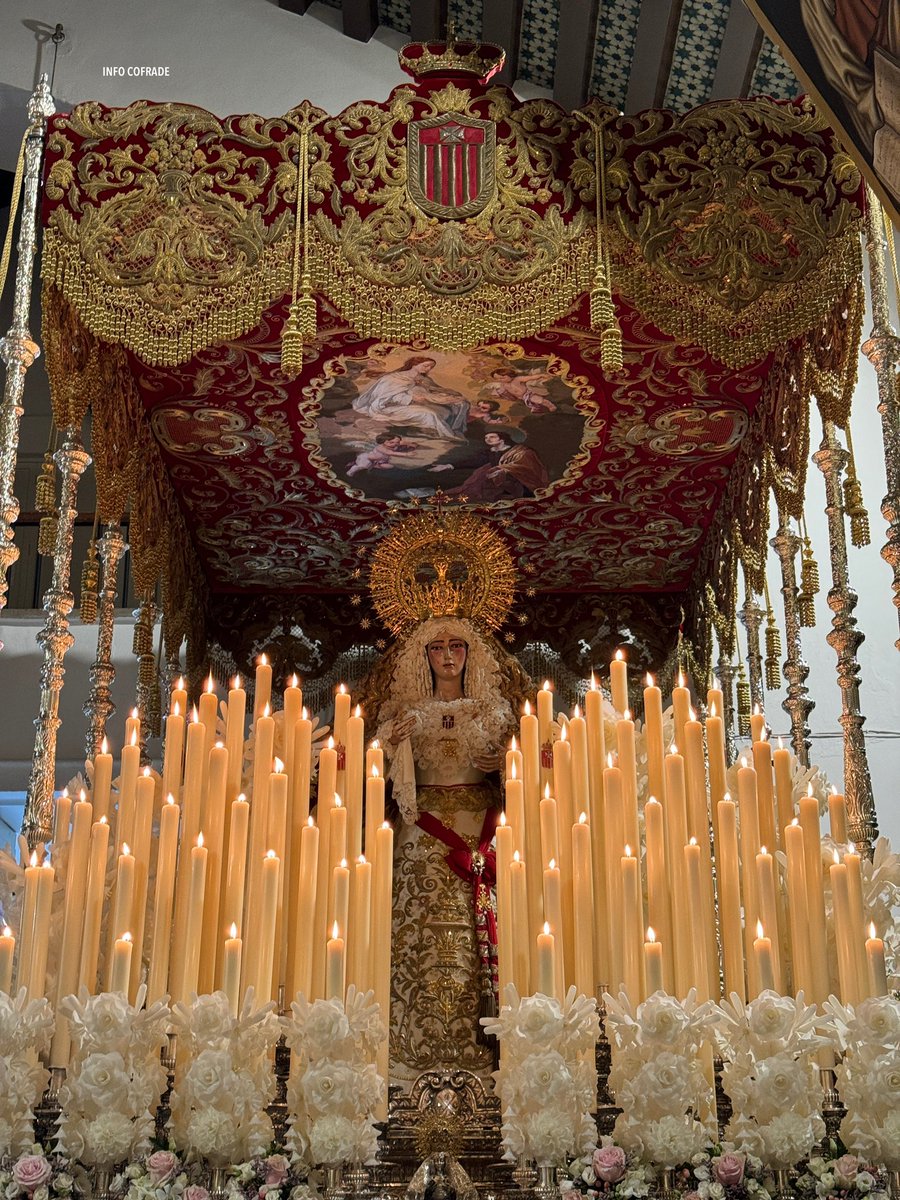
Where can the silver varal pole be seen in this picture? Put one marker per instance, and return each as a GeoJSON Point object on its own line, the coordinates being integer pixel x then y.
{"type": "Point", "coordinates": [18, 348]}
{"type": "Point", "coordinates": [883, 351]}
{"type": "Point", "coordinates": [846, 638]}
{"type": "Point", "coordinates": [797, 704]}
{"type": "Point", "coordinates": [55, 638]}
{"type": "Point", "coordinates": [99, 707]}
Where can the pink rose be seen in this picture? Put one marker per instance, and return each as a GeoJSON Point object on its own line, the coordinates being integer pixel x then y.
{"type": "Point", "coordinates": [162, 1165]}
{"type": "Point", "coordinates": [846, 1168]}
{"type": "Point", "coordinates": [729, 1169]}
{"type": "Point", "coordinates": [277, 1169]}
{"type": "Point", "coordinates": [31, 1171]}
{"type": "Point", "coordinates": [609, 1163]}
{"type": "Point", "coordinates": [195, 1191]}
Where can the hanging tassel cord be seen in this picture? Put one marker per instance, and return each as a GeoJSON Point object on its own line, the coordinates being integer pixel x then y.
{"type": "Point", "coordinates": [860, 534]}
{"type": "Point", "coordinates": [13, 212]}
{"type": "Point", "coordinates": [300, 326]}
{"type": "Point", "coordinates": [90, 578]}
{"type": "Point", "coordinates": [603, 313]}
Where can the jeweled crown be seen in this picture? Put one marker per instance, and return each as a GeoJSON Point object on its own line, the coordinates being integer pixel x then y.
{"type": "Point", "coordinates": [442, 564]}
{"type": "Point", "coordinates": [452, 57]}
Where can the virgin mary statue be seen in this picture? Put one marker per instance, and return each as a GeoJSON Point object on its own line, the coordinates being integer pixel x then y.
{"type": "Point", "coordinates": [445, 699]}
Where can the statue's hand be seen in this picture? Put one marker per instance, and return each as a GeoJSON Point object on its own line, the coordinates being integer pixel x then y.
{"type": "Point", "coordinates": [488, 761]}
{"type": "Point", "coordinates": [403, 727]}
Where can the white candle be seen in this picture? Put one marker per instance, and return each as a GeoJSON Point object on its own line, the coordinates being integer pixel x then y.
{"type": "Point", "coordinates": [653, 963]}
{"type": "Point", "coordinates": [334, 966]}
{"type": "Point", "coordinates": [546, 962]}
{"type": "Point", "coordinates": [231, 970]}
{"type": "Point", "coordinates": [618, 682]}
{"type": "Point", "coordinates": [121, 965]}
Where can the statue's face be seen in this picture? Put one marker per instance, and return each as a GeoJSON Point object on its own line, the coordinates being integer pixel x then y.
{"type": "Point", "coordinates": [447, 657]}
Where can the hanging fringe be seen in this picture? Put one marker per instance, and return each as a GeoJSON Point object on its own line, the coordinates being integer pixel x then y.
{"type": "Point", "coordinates": [90, 586]}
{"type": "Point", "coordinates": [853, 500]}
{"type": "Point", "coordinates": [300, 326]}
{"type": "Point", "coordinates": [142, 642]}
{"type": "Point", "coordinates": [603, 312]}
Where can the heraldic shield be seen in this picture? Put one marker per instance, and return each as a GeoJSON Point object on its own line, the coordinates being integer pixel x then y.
{"type": "Point", "coordinates": [450, 171]}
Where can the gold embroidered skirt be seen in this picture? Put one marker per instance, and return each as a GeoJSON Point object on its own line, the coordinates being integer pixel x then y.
{"type": "Point", "coordinates": [435, 968]}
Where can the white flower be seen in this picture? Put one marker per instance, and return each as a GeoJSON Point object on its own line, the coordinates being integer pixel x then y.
{"type": "Point", "coordinates": [782, 1083]}
{"type": "Point", "coordinates": [666, 1084]}
{"type": "Point", "coordinates": [210, 1079]}
{"type": "Point", "coordinates": [323, 1025]}
{"type": "Point", "coordinates": [330, 1087]}
{"type": "Point", "coordinates": [107, 1138]}
{"type": "Point", "coordinates": [662, 1018]}
{"type": "Point", "coordinates": [333, 1140]}
{"type": "Point", "coordinates": [102, 1080]}
{"type": "Point", "coordinates": [549, 1136]}
{"type": "Point", "coordinates": [672, 1140]}
{"type": "Point", "coordinates": [544, 1078]}
{"type": "Point", "coordinates": [789, 1137]}
{"type": "Point", "coordinates": [208, 1018]}
{"type": "Point", "coordinates": [212, 1133]}
{"type": "Point", "coordinates": [771, 1017]}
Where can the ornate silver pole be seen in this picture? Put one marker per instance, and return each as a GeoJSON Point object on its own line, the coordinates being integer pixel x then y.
{"type": "Point", "coordinates": [19, 349]}
{"type": "Point", "coordinates": [797, 704]}
{"type": "Point", "coordinates": [147, 676]}
{"type": "Point", "coordinates": [55, 638]}
{"type": "Point", "coordinates": [99, 706]}
{"type": "Point", "coordinates": [726, 672]}
{"type": "Point", "coordinates": [883, 352]}
{"type": "Point", "coordinates": [846, 638]}
{"type": "Point", "coordinates": [752, 618]}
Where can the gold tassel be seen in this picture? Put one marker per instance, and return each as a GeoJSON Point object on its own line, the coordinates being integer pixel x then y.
{"type": "Point", "coordinates": [45, 486]}
{"type": "Point", "coordinates": [300, 325]}
{"type": "Point", "coordinates": [142, 642]}
{"type": "Point", "coordinates": [90, 586]}
{"type": "Point", "coordinates": [743, 702]}
{"type": "Point", "coordinates": [602, 310]}
{"type": "Point", "coordinates": [47, 535]}
{"type": "Point", "coordinates": [853, 500]}
{"type": "Point", "coordinates": [809, 583]}
{"type": "Point", "coordinates": [773, 647]}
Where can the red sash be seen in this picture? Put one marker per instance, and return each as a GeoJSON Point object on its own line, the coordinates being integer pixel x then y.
{"type": "Point", "coordinates": [478, 867]}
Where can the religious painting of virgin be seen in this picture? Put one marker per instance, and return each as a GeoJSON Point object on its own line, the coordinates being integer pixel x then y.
{"type": "Point", "coordinates": [847, 54]}
{"type": "Point", "coordinates": [489, 425]}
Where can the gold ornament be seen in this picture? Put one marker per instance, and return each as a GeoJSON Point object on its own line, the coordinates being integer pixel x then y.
{"type": "Point", "coordinates": [300, 326]}
{"type": "Point", "coordinates": [743, 702]}
{"type": "Point", "coordinates": [445, 562]}
{"type": "Point", "coordinates": [90, 585]}
{"type": "Point", "coordinates": [47, 535]}
{"type": "Point", "coordinates": [809, 583]}
{"type": "Point", "coordinates": [853, 500]}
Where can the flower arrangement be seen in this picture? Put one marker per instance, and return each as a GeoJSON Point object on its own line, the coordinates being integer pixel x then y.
{"type": "Point", "coordinates": [220, 1099]}
{"type": "Point", "coordinates": [114, 1079]}
{"type": "Point", "coordinates": [547, 1077]}
{"type": "Point", "coordinates": [334, 1088]}
{"type": "Point", "coordinates": [35, 1175]}
{"type": "Point", "coordinates": [842, 1177]}
{"type": "Point", "coordinates": [767, 1047]}
{"type": "Point", "coordinates": [714, 1173]}
{"type": "Point", "coordinates": [275, 1177]}
{"type": "Point", "coordinates": [25, 1029]}
{"type": "Point", "coordinates": [869, 1076]}
{"type": "Point", "coordinates": [657, 1076]}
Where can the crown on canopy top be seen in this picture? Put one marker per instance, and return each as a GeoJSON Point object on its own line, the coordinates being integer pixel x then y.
{"type": "Point", "coordinates": [451, 57]}
{"type": "Point", "coordinates": [440, 564]}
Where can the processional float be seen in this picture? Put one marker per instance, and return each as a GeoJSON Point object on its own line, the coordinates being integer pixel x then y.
{"type": "Point", "coordinates": [223, 261]}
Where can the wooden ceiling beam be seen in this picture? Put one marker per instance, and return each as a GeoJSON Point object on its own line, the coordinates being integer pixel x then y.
{"type": "Point", "coordinates": [651, 62]}
{"type": "Point", "coordinates": [500, 23]}
{"type": "Point", "coordinates": [575, 51]}
{"type": "Point", "coordinates": [741, 44]}
{"type": "Point", "coordinates": [428, 20]}
{"type": "Point", "coordinates": [360, 18]}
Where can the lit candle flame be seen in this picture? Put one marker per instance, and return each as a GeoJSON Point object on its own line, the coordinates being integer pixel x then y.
{"type": "Point", "coordinates": [357, 712]}
{"type": "Point", "coordinates": [809, 789]}
{"type": "Point", "coordinates": [626, 715]}
{"type": "Point", "coordinates": [576, 713]}
{"type": "Point", "coordinates": [210, 686]}
{"type": "Point", "coordinates": [649, 680]}
{"type": "Point", "coordinates": [527, 708]}
{"type": "Point", "coordinates": [503, 819]}
{"type": "Point", "coordinates": [375, 771]}
{"type": "Point", "coordinates": [593, 682]}
{"type": "Point", "coordinates": [304, 713]}
{"type": "Point", "coordinates": [628, 853]}
{"type": "Point", "coordinates": [551, 865]}
{"type": "Point", "coordinates": [179, 684]}
{"type": "Point", "coordinates": [681, 679]}
{"type": "Point", "coordinates": [337, 801]}
{"type": "Point", "coordinates": [713, 712]}
{"type": "Point", "coordinates": [195, 716]}
{"type": "Point", "coordinates": [220, 745]}
{"type": "Point", "coordinates": [512, 770]}
{"type": "Point", "coordinates": [652, 800]}
{"type": "Point", "coordinates": [362, 860]}
{"type": "Point", "coordinates": [267, 709]}
{"type": "Point", "coordinates": [270, 854]}
{"type": "Point", "coordinates": [104, 746]}
{"type": "Point", "coordinates": [516, 857]}
{"type": "Point", "coordinates": [851, 847]}
{"type": "Point", "coordinates": [278, 766]}
{"type": "Point", "coordinates": [7, 932]}
{"type": "Point", "coordinates": [385, 824]}
{"type": "Point", "coordinates": [342, 689]}
{"type": "Point", "coordinates": [764, 734]}
{"type": "Point", "coordinates": [546, 791]}
{"type": "Point", "coordinates": [310, 822]}
{"type": "Point", "coordinates": [582, 819]}
{"type": "Point", "coordinates": [242, 797]}
{"type": "Point", "coordinates": [263, 661]}
{"type": "Point", "coordinates": [82, 795]}
{"type": "Point", "coordinates": [294, 680]}
{"type": "Point", "coordinates": [836, 857]}
{"type": "Point", "coordinates": [673, 749]}
{"type": "Point", "coordinates": [562, 732]}
{"type": "Point", "coordinates": [170, 799]}
{"type": "Point", "coordinates": [125, 849]}
{"type": "Point", "coordinates": [757, 710]}
{"type": "Point", "coordinates": [344, 863]}
{"type": "Point", "coordinates": [233, 930]}
{"type": "Point", "coordinates": [546, 928]}
{"type": "Point", "coordinates": [781, 743]}
{"type": "Point", "coordinates": [759, 929]}
{"type": "Point", "coordinates": [513, 745]}
{"type": "Point", "coordinates": [335, 932]}
{"type": "Point", "coordinates": [103, 821]}
{"type": "Point", "coordinates": [546, 686]}
{"type": "Point", "coordinates": [146, 772]}
{"type": "Point", "coordinates": [176, 712]}
{"type": "Point", "coordinates": [33, 859]}
{"type": "Point", "coordinates": [872, 933]}
{"type": "Point", "coordinates": [200, 838]}
{"type": "Point", "coordinates": [795, 821]}
{"type": "Point", "coordinates": [651, 934]}
{"type": "Point", "coordinates": [331, 743]}
{"type": "Point", "coordinates": [126, 937]}
{"type": "Point", "coordinates": [609, 760]}
{"type": "Point", "coordinates": [236, 683]}
{"type": "Point", "coordinates": [744, 761]}
{"type": "Point", "coordinates": [376, 745]}
{"type": "Point", "coordinates": [762, 849]}
{"type": "Point", "coordinates": [692, 713]}
{"type": "Point", "coordinates": [134, 713]}
{"type": "Point", "coordinates": [692, 842]}
{"type": "Point", "coordinates": [619, 656]}
{"type": "Point", "coordinates": [134, 737]}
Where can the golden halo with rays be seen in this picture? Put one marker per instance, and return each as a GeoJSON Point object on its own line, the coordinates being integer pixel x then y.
{"type": "Point", "coordinates": [440, 563]}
